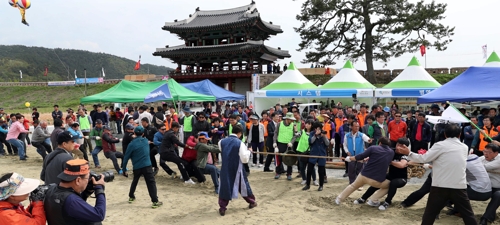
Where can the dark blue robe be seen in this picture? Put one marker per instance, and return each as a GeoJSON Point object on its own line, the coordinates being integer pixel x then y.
{"type": "Point", "coordinates": [233, 178]}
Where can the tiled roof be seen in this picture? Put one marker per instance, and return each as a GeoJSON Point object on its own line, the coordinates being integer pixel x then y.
{"type": "Point", "coordinates": [220, 18]}
{"type": "Point", "coordinates": [181, 50]}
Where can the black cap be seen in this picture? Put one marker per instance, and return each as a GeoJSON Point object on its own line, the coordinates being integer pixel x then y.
{"type": "Point", "coordinates": [64, 137]}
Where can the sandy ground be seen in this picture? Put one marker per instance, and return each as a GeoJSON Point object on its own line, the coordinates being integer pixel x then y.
{"type": "Point", "coordinates": [280, 201]}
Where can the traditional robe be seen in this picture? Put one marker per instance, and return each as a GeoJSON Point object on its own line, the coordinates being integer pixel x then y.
{"type": "Point", "coordinates": [233, 178]}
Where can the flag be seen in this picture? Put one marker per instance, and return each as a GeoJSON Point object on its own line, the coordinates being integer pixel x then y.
{"type": "Point", "coordinates": [422, 50]}
{"type": "Point", "coordinates": [103, 74]}
{"type": "Point", "coordinates": [138, 64]}
{"type": "Point", "coordinates": [485, 51]}
{"type": "Point", "coordinates": [46, 71]}
{"type": "Point", "coordinates": [21, 74]}
{"type": "Point", "coordinates": [75, 75]}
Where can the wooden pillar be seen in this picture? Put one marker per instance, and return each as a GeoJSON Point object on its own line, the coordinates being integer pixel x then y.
{"type": "Point", "coordinates": [230, 84]}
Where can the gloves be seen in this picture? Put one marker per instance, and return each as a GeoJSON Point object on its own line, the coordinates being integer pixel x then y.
{"type": "Point", "coordinates": [86, 137]}
{"type": "Point", "coordinates": [275, 145]}
{"type": "Point", "coordinates": [471, 151]}
{"type": "Point", "coordinates": [426, 166]}
{"type": "Point", "coordinates": [290, 145]}
{"type": "Point", "coordinates": [276, 150]}
{"type": "Point", "coordinates": [121, 139]}
{"type": "Point", "coordinates": [347, 159]}
{"type": "Point", "coordinates": [332, 141]}
{"type": "Point", "coordinates": [98, 138]}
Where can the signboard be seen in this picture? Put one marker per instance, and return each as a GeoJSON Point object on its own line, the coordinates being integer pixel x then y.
{"type": "Point", "coordinates": [61, 83]}
{"type": "Point", "coordinates": [94, 80]}
{"type": "Point", "coordinates": [383, 93]}
{"type": "Point", "coordinates": [410, 92]}
{"type": "Point", "coordinates": [342, 93]}
{"type": "Point", "coordinates": [255, 81]}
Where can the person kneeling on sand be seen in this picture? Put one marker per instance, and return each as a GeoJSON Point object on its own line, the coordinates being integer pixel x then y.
{"type": "Point", "coordinates": [375, 169]}
{"type": "Point", "coordinates": [204, 160]}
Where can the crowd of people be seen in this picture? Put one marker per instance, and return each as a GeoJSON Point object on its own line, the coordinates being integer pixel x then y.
{"type": "Point", "coordinates": [226, 142]}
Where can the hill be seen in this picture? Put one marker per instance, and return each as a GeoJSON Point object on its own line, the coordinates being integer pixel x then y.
{"type": "Point", "coordinates": [33, 60]}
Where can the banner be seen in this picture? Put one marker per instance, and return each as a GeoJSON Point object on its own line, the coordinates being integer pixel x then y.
{"type": "Point", "coordinates": [485, 51]}
{"type": "Point", "coordinates": [255, 82]}
{"type": "Point", "coordinates": [61, 83]}
{"type": "Point", "coordinates": [94, 80]}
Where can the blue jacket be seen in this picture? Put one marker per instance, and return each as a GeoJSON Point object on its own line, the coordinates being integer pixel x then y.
{"type": "Point", "coordinates": [76, 135]}
{"type": "Point", "coordinates": [318, 146]}
{"type": "Point", "coordinates": [3, 130]}
{"type": "Point", "coordinates": [468, 136]}
{"type": "Point", "coordinates": [138, 152]}
{"type": "Point", "coordinates": [158, 138]}
{"type": "Point", "coordinates": [360, 144]}
{"type": "Point", "coordinates": [426, 132]}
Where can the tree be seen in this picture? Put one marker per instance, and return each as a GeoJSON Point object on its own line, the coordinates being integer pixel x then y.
{"type": "Point", "coordinates": [373, 29]}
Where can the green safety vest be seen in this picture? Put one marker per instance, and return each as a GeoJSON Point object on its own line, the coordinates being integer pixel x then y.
{"type": "Point", "coordinates": [188, 125]}
{"type": "Point", "coordinates": [230, 129]}
{"type": "Point", "coordinates": [303, 142]}
{"type": "Point", "coordinates": [84, 123]}
{"type": "Point", "coordinates": [285, 134]}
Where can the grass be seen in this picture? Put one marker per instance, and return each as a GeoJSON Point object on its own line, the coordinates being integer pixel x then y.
{"type": "Point", "coordinates": [43, 98]}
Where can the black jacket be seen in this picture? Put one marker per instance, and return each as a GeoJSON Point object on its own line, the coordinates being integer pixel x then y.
{"type": "Point", "coordinates": [271, 128]}
{"type": "Point", "coordinates": [201, 126]}
{"type": "Point", "coordinates": [169, 141]}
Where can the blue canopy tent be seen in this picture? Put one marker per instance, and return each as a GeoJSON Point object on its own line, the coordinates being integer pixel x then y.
{"type": "Point", "coordinates": [173, 91]}
{"type": "Point", "coordinates": [475, 84]}
{"type": "Point", "coordinates": [206, 87]}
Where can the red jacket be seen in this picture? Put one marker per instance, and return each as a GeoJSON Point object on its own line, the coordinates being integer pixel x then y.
{"type": "Point", "coordinates": [9, 215]}
{"type": "Point", "coordinates": [397, 130]}
{"type": "Point", "coordinates": [108, 142]}
{"type": "Point", "coordinates": [189, 154]}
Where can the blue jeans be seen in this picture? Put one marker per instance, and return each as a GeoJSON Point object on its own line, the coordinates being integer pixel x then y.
{"type": "Point", "coordinates": [303, 167]}
{"type": "Point", "coordinates": [95, 152]}
{"type": "Point", "coordinates": [119, 126]}
{"type": "Point", "coordinates": [20, 147]}
{"type": "Point", "coordinates": [214, 172]}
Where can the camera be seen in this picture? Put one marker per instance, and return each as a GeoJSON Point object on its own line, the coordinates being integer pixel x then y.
{"type": "Point", "coordinates": [39, 193]}
{"type": "Point", "coordinates": [108, 176]}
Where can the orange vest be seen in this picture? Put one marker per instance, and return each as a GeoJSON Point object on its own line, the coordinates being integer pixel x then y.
{"type": "Point", "coordinates": [168, 125]}
{"type": "Point", "coordinates": [492, 133]}
{"type": "Point", "coordinates": [249, 124]}
{"type": "Point", "coordinates": [265, 127]}
{"type": "Point", "coordinates": [338, 123]}
{"type": "Point", "coordinates": [328, 127]}
{"type": "Point", "coordinates": [361, 119]}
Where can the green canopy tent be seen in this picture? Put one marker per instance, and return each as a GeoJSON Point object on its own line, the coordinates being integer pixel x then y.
{"type": "Point", "coordinates": [124, 92]}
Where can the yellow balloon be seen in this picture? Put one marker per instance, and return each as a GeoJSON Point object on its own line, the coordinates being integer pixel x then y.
{"type": "Point", "coordinates": [27, 104]}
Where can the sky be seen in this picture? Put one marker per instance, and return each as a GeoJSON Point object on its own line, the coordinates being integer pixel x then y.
{"type": "Point", "coordinates": [129, 28]}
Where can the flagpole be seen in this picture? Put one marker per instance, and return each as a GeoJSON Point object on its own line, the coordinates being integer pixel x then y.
{"type": "Point", "coordinates": [473, 124]}
{"type": "Point", "coordinates": [85, 74]}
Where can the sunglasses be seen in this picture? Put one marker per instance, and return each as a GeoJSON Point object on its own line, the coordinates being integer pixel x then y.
{"type": "Point", "coordinates": [163, 129]}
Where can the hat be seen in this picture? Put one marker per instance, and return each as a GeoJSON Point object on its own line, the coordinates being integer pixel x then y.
{"type": "Point", "coordinates": [98, 121]}
{"type": "Point", "coordinates": [387, 109]}
{"type": "Point", "coordinates": [17, 185]}
{"type": "Point", "coordinates": [106, 127]}
{"type": "Point", "coordinates": [168, 113]}
{"type": "Point", "coordinates": [203, 135]}
{"type": "Point", "coordinates": [129, 126]}
{"type": "Point", "coordinates": [213, 115]}
{"type": "Point", "coordinates": [254, 117]}
{"type": "Point", "coordinates": [289, 116]}
{"type": "Point", "coordinates": [186, 109]}
{"type": "Point", "coordinates": [73, 169]}
{"type": "Point", "coordinates": [64, 137]}
{"type": "Point", "coordinates": [434, 106]}
{"type": "Point", "coordinates": [139, 130]}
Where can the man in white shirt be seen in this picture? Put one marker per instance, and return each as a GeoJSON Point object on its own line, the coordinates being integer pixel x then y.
{"type": "Point", "coordinates": [491, 162]}
{"type": "Point", "coordinates": [143, 112]}
{"type": "Point", "coordinates": [449, 160]}
{"type": "Point", "coordinates": [233, 178]}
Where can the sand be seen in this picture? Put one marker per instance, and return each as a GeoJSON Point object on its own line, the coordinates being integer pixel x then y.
{"type": "Point", "coordinates": [279, 201]}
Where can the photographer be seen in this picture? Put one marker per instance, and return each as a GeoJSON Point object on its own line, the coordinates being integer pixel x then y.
{"type": "Point", "coordinates": [15, 189]}
{"type": "Point", "coordinates": [64, 204]}
{"type": "Point", "coordinates": [318, 142]}
{"type": "Point", "coordinates": [54, 162]}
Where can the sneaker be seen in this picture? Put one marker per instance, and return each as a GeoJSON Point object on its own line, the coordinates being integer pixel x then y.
{"type": "Point", "coordinates": [305, 188]}
{"type": "Point", "coordinates": [156, 205]}
{"type": "Point", "coordinates": [253, 165]}
{"type": "Point", "coordinates": [130, 200]}
{"type": "Point", "coordinates": [260, 165]}
{"type": "Point", "coordinates": [222, 212]}
{"type": "Point", "coordinates": [315, 183]}
{"type": "Point", "coordinates": [277, 176]}
{"type": "Point", "coordinates": [403, 205]}
{"type": "Point", "coordinates": [189, 182]}
{"type": "Point", "coordinates": [372, 203]}
{"type": "Point", "coordinates": [289, 177]}
{"type": "Point", "coordinates": [320, 188]}
{"type": "Point", "coordinates": [155, 171]}
{"type": "Point", "coordinates": [337, 201]}
{"type": "Point", "coordinates": [303, 182]}
{"type": "Point", "coordinates": [173, 175]}
{"type": "Point", "coordinates": [252, 205]}
{"type": "Point", "coordinates": [326, 180]}
{"type": "Point", "coordinates": [384, 206]}
{"type": "Point", "coordinates": [359, 201]}
{"type": "Point", "coordinates": [98, 167]}
{"type": "Point", "coordinates": [120, 172]}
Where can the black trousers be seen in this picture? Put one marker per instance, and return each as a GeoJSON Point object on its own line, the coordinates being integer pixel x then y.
{"type": "Point", "coordinates": [113, 156]}
{"type": "Point", "coordinates": [269, 158]}
{"type": "Point", "coordinates": [153, 150]}
{"type": "Point", "coordinates": [417, 145]}
{"type": "Point", "coordinates": [321, 173]}
{"type": "Point", "coordinates": [7, 144]}
{"type": "Point", "coordinates": [84, 151]}
{"type": "Point", "coordinates": [491, 209]}
{"type": "Point", "coordinates": [420, 193]}
{"type": "Point", "coordinates": [337, 145]}
{"type": "Point", "coordinates": [147, 172]}
{"type": "Point", "coordinates": [183, 165]}
{"type": "Point", "coordinates": [279, 167]}
{"type": "Point", "coordinates": [43, 147]}
{"type": "Point", "coordinates": [166, 167]}
{"type": "Point", "coordinates": [393, 187]}
{"type": "Point", "coordinates": [438, 197]}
